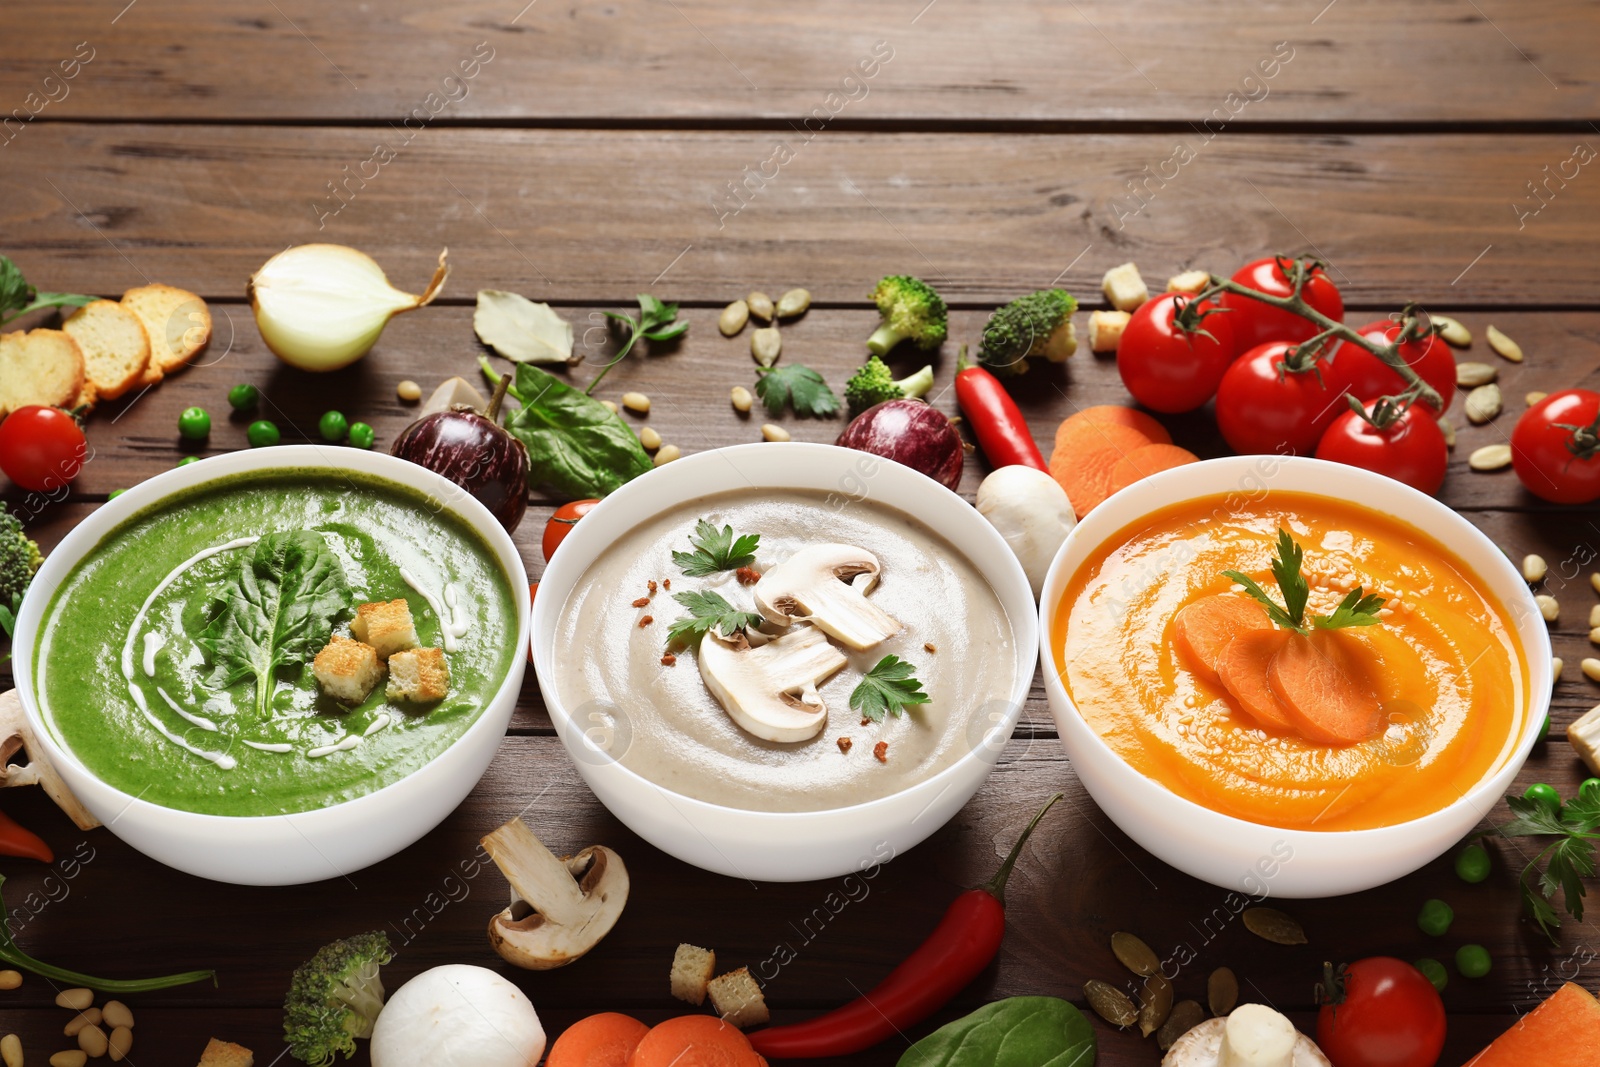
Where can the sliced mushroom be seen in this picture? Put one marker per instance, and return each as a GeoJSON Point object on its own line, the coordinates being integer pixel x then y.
{"type": "Point", "coordinates": [1253, 1035]}
{"type": "Point", "coordinates": [17, 735]}
{"type": "Point", "coordinates": [827, 585]}
{"type": "Point", "coordinates": [560, 908]}
{"type": "Point", "coordinates": [771, 690]}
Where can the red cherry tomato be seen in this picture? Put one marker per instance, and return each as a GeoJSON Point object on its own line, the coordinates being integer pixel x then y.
{"type": "Point", "coordinates": [561, 524]}
{"type": "Point", "coordinates": [1167, 369]}
{"type": "Point", "coordinates": [1381, 1012]}
{"type": "Point", "coordinates": [1255, 323]}
{"type": "Point", "coordinates": [1368, 377]}
{"type": "Point", "coordinates": [41, 449]}
{"type": "Point", "coordinates": [1262, 409]}
{"type": "Point", "coordinates": [1410, 449]}
{"type": "Point", "coordinates": [1555, 449]}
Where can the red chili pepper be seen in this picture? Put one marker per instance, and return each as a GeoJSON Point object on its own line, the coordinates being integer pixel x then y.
{"type": "Point", "coordinates": [960, 947]}
{"type": "Point", "coordinates": [1002, 432]}
{"type": "Point", "coordinates": [18, 841]}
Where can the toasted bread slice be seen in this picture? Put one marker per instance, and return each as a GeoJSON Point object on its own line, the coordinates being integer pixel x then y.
{"type": "Point", "coordinates": [178, 322]}
{"type": "Point", "coordinates": [116, 349]}
{"type": "Point", "coordinates": [39, 367]}
{"type": "Point", "coordinates": [226, 1054]}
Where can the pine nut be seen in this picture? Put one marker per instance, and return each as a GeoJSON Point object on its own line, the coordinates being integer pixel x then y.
{"type": "Point", "coordinates": [650, 439]}
{"type": "Point", "coordinates": [793, 303]}
{"type": "Point", "coordinates": [733, 318]}
{"type": "Point", "coordinates": [87, 1017]}
{"type": "Point", "coordinates": [1594, 616]}
{"type": "Point", "coordinates": [1503, 346]}
{"type": "Point", "coordinates": [1594, 636]}
{"type": "Point", "coordinates": [667, 454]}
{"type": "Point", "coordinates": [637, 403]}
{"type": "Point", "coordinates": [1449, 432]}
{"type": "Point", "coordinates": [1555, 668]}
{"type": "Point", "coordinates": [1490, 458]}
{"type": "Point", "coordinates": [11, 1050]}
{"type": "Point", "coordinates": [1594, 580]}
{"type": "Point", "coordinates": [609, 405]}
{"type": "Point", "coordinates": [741, 399]}
{"type": "Point", "coordinates": [1451, 331]}
{"type": "Point", "coordinates": [1534, 567]}
{"type": "Point", "coordinates": [121, 1042]}
{"type": "Point", "coordinates": [766, 344]}
{"type": "Point", "coordinates": [116, 1013]}
{"type": "Point", "coordinates": [1548, 607]}
{"type": "Point", "coordinates": [773, 432]}
{"type": "Point", "coordinates": [1591, 669]}
{"type": "Point", "coordinates": [1533, 398]}
{"type": "Point", "coordinates": [76, 999]}
{"type": "Point", "coordinates": [70, 1058]}
{"type": "Point", "coordinates": [409, 391]}
{"type": "Point", "coordinates": [760, 305]}
{"type": "Point", "coordinates": [93, 1040]}
{"type": "Point", "coordinates": [10, 979]}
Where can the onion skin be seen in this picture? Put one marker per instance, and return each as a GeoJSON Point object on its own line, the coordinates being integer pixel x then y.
{"type": "Point", "coordinates": [474, 453]}
{"type": "Point", "coordinates": [912, 433]}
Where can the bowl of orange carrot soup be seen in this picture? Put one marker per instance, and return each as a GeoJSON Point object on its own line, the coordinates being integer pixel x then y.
{"type": "Point", "coordinates": [1289, 677]}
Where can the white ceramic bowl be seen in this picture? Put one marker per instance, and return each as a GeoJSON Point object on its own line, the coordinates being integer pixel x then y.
{"type": "Point", "coordinates": [786, 846]}
{"type": "Point", "coordinates": [306, 846]}
{"type": "Point", "coordinates": [1246, 856]}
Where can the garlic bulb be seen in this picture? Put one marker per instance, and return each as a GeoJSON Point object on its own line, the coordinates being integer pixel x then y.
{"type": "Point", "coordinates": [320, 307]}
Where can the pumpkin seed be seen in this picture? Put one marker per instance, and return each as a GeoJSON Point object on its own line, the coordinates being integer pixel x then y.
{"type": "Point", "coordinates": [1186, 1015]}
{"type": "Point", "coordinates": [1482, 404]}
{"type": "Point", "coordinates": [1155, 1005]}
{"type": "Point", "coordinates": [1275, 926]}
{"type": "Point", "coordinates": [760, 305]}
{"type": "Point", "coordinates": [1490, 458]}
{"type": "Point", "coordinates": [1449, 432]}
{"type": "Point", "coordinates": [1470, 375]}
{"type": "Point", "coordinates": [1503, 346]}
{"type": "Point", "coordinates": [1134, 954]}
{"type": "Point", "coordinates": [1110, 1003]}
{"type": "Point", "coordinates": [1222, 991]}
{"type": "Point", "coordinates": [793, 303]}
{"type": "Point", "coordinates": [733, 318]}
{"type": "Point", "coordinates": [765, 345]}
{"type": "Point", "coordinates": [1451, 331]}
{"type": "Point", "coordinates": [1534, 397]}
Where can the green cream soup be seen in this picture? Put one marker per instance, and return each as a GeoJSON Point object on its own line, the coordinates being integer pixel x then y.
{"type": "Point", "coordinates": [138, 662]}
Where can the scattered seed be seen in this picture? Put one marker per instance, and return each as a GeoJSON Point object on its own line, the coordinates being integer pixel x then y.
{"type": "Point", "coordinates": [609, 405]}
{"type": "Point", "coordinates": [1534, 397]}
{"type": "Point", "coordinates": [741, 399]}
{"type": "Point", "coordinates": [760, 305]}
{"type": "Point", "coordinates": [1134, 954]}
{"type": "Point", "coordinates": [11, 1050]}
{"type": "Point", "coordinates": [1594, 619]}
{"type": "Point", "coordinates": [880, 752]}
{"type": "Point", "coordinates": [646, 621]}
{"type": "Point", "coordinates": [10, 979]}
{"type": "Point", "coordinates": [71, 1058]}
{"type": "Point", "coordinates": [1591, 669]}
{"type": "Point", "coordinates": [773, 432]}
{"type": "Point", "coordinates": [1451, 331]}
{"type": "Point", "coordinates": [76, 999]}
{"type": "Point", "coordinates": [93, 1040]}
{"type": "Point", "coordinates": [121, 1042]}
{"type": "Point", "coordinates": [1110, 1003]}
{"type": "Point", "coordinates": [733, 318]}
{"type": "Point", "coordinates": [1155, 1005]}
{"type": "Point", "coordinates": [1222, 991]}
{"type": "Point", "coordinates": [1594, 580]}
{"type": "Point", "coordinates": [636, 402]}
{"type": "Point", "coordinates": [1490, 458]}
{"type": "Point", "coordinates": [793, 303]}
{"type": "Point", "coordinates": [89, 1017]}
{"type": "Point", "coordinates": [1471, 375]}
{"type": "Point", "coordinates": [929, 646]}
{"type": "Point", "coordinates": [1503, 346]}
{"type": "Point", "coordinates": [1594, 636]}
{"type": "Point", "coordinates": [650, 439]}
{"type": "Point", "coordinates": [1449, 432]}
{"type": "Point", "coordinates": [642, 602]}
{"type": "Point", "coordinates": [1555, 668]}
{"type": "Point", "coordinates": [1274, 925]}
{"type": "Point", "coordinates": [409, 391]}
{"type": "Point", "coordinates": [666, 454]}
{"type": "Point", "coordinates": [844, 744]}
{"type": "Point", "coordinates": [1482, 404]}
{"type": "Point", "coordinates": [1186, 1015]}
{"type": "Point", "coordinates": [766, 345]}
{"type": "Point", "coordinates": [1548, 607]}
{"type": "Point", "coordinates": [669, 660]}
{"type": "Point", "coordinates": [1534, 568]}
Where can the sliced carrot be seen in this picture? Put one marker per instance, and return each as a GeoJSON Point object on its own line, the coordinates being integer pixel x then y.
{"type": "Point", "coordinates": [695, 1041]}
{"type": "Point", "coordinates": [1084, 457]}
{"type": "Point", "coordinates": [1323, 683]}
{"type": "Point", "coordinates": [1120, 415]}
{"type": "Point", "coordinates": [1151, 459]}
{"type": "Point", "coordinates": [604, 1040]}
{"type": "Point", "coordinates": [1561, 1032]}
{"type": "Point", "coordinates": [1243, 668]}
{"type": "Point", "coordinates": [1203, 628]}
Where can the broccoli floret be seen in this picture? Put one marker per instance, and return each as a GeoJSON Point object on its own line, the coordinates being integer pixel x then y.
{"type": "Point", "coordinates": [335, 997]}
{"type": "Point", "coordinates": [911, 311]}
{"type": "Point", "coordinates": [872, 384]}
{"type": "Point", "coordinates": [1039, 324]}
{"type": "Point", "coordinates": [19, 558]}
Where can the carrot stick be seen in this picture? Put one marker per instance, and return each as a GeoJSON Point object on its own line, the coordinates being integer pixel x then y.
{"type": "Point", "coordinates": [1151, 459]}
{"type": "Point", "coordinates": [695, 1041]}
{"type": "Point", "coordinates": [1203, 628]}
{"type": "Point", "coordinates": [604, 1040]}
{"type": "Point", "coordinates": [1243, 668]}
{"type": "Point", "coordinates": [1084, 457]}
{"type": "Point", "coordinates": [1324, 687]}
{"type": "Point", "coordinates": [1123, 416]}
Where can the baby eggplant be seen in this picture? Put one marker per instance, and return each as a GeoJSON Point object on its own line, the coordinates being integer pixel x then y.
{"type": "Point", "coordinates": [473, 451]}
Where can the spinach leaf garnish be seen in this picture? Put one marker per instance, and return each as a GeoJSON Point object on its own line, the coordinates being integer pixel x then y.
{"type": "Point", "coordinates": [576, 445]}
{"type": "Point", "coordinates": [1015, 1032]}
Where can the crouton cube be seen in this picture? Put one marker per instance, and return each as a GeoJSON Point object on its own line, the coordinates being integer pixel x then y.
{"type": "Point", "coordinates": [1105, 329]}
{"type": "Point", "coordinates": [1190, 281]}
{"type": "Point", "coordinates": [737, 998]}
{"type": "Point", "coordinates": [226, 1054]}
{"type": "Point", "coordinates": [387, 627]}
{"type": "Point", "coordinates": [1124, 288]}
{"type": "Point", "coordinates": [419, 674]}
{"type": "Point", "coordinates": [692, 968]}
{"type": "Point", "coordinates": [347, 670]}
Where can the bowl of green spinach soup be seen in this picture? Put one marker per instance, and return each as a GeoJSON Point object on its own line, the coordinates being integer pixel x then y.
{"type": "Point", "coordinates": [276, 666]}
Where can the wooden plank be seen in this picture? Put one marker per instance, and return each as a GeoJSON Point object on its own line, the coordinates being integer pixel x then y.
{"type": "Point", "coordinates": [581, 216]}
{"type": "Point", "coordinates": [696, 60]}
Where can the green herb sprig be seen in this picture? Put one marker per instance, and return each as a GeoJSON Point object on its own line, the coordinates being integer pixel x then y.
{"type": "Point", "coordinates": [716, 550]}
{"type": "Point", "coordinates": [656, 322]}
{"type": "Point", "coordinates": [797, 385]}
{"type": "Point", "coordinates": [17, 297]}
{"type": "Point", "coordinates": [1566, 861]}
{"type": "Point", "coordinates": [8, 620]}
{"type": "Point", "coordinates": [887, 689]}
{"type": "Point", "coordinates": [707, 611]}
{"type": "Point", "coordinates": [1355, 609]}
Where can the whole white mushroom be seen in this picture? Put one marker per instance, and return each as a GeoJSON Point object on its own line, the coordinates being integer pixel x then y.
{"type": "Point", "coordinates": [458, 1016]}
{"type": "Point", "coordinates": [1031, 511]}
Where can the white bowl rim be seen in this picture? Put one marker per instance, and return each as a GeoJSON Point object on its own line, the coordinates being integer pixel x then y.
{"type": "Point", "coordinates": [623, 496]}
{"type": "Point", "coordinates": [1174, 479]}
{"type": "Point", "coordinates": [89, 533]}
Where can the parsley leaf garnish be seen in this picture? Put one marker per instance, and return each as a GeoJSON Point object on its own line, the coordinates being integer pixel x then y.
{"type": "Point", "coordinates": [1355, 609]}
{"type": "Point", "coordinates": [17, 297]}
{"type": "Point", "coordinates": [797, 384]}
{"type": "Point", "coordinates": [1567, 862]}
{"type": "Point", "coordinates": [707, 612]}
{"type": "Point", "coordinates": [716, 550]}
{"type": "Point", "coordinates": [886, 690]}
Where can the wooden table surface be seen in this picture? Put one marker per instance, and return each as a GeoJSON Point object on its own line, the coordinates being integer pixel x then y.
{"type": "Point", "coordinates": [698, 150]}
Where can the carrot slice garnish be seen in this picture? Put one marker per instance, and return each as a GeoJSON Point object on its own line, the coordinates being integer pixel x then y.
{"type": "Point", "coordinates": [1122, 415]}
{"type": "Point", "coordinates": [695, 1041]}
{"type": "Point", "coordinates": [1243, 668]}
{"type": "Point", "coordinates": [1151, 459]}
{"type": "Point", "coordinates": [603, 1040]}
{"type": "Point", "coordinates": [1084, 457]}
{"type": "Point", "coordinates": [1203, 628]}
{"type": "Point", "coordinates": [1325, 688]}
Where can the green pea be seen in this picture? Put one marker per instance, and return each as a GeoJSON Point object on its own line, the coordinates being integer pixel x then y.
{"type": "Point", "coordinates": [1434, 972]}
{"type": "Point", "coordinates": [1590, 789]}
{"type": "Point", "coordinates": [262, 434]}
{"type": "Point", "coordinates": [186, 460]}
{"type": "Point", "coordinates": [362, 435]}
{"type": "Point", "coordinates": [1472, 961]}
{"type": "Point", "coordinates": [194, 424]}
{"type": "Point", "coordinates": [1472, 863]}
{"type": "Point", "coordinates": [1435, 917]}
{"type": "Point", "coordinates": [1544, 728]}
{"type": "Point", "coordinates": [333, 426]}
{"type": "Point", "coordinates": [244, 396]}
{"type": "Point", "coordinates": [1546, 795]}
{"type": "Point", "coordinates": [115, 493]}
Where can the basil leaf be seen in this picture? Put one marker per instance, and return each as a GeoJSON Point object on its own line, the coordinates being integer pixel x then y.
{"type": "Point", "coordinates": [1018, 1032]}
{"type": "Point", "coordinates": [576, 445]}
{"type": "Point", "coordinates": [277, 608]}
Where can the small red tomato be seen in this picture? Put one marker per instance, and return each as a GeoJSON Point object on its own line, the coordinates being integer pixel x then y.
{"type": "Point", "coordinates": [1380, 1012]}
{"type": "Point", "coordinates": [1166, 368]}
{"type": "Point", "coordinates": [1368, 377]}
{"type": "Point", "coordinates": [41, 449]}
{"type": "Point", "coordinates": [561, 524]}
{"type": "Point", "coordinates": [1555, 448]}
{"type": "Point", "coordinates": [1411, 449]}
{"type": "Point", "coordinates": [1265, 407]}
{"type": "Point", "coordinates": [1255, 323]}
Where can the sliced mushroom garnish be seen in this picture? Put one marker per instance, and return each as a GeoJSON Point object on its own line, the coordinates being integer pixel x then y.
{"type": "Point", "coordinates": [771, 690]}
{"type": "Point", "coordinates": [560, 908]}
{"type": "Point", "coordinates": [827, 585]}
{"type": "Point", "coordinates": [17, 735]}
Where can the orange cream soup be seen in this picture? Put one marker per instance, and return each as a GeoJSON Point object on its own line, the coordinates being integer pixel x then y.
{"type": "Point", "coordinates": [1447, 660]}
